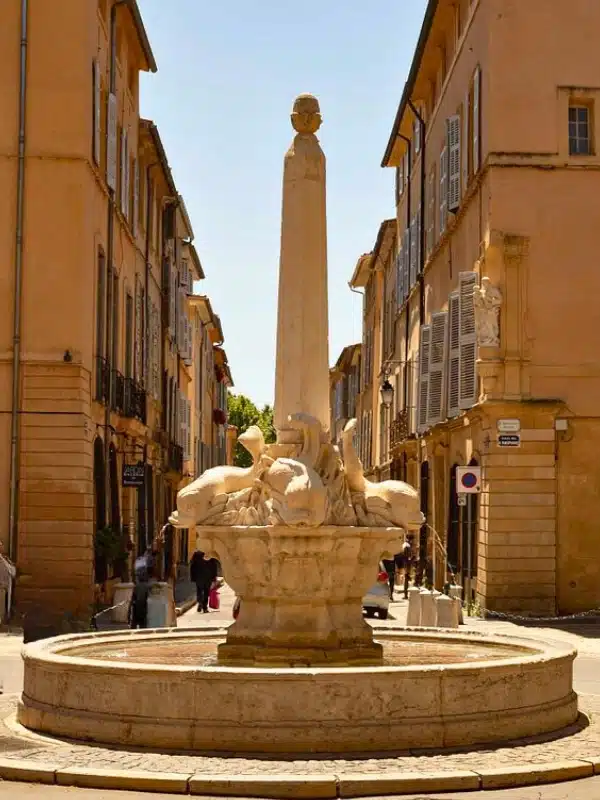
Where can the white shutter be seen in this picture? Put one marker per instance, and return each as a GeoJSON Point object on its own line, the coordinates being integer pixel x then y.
{"type": "Point", "coordinates": [467, 391]}
{"type": "Point", "coordinates": [136, 197]}
{"type": "Point", "coordinates": [400, 275]}
{"type": "Point", "coordinates": [437, 363]}
{"type": "Point", "coordinates": [97, 111]}
{"type": "Point", "coordinates": [453, 145]}
{"type": "Point", "coordinates": [123, 171]}
{"type": "Point", "coordinates": [406, 262]}
{"type": "Point", "coordinates": [453, 354]}
{"type": "Point", "coordinates": [190, 288]}
{"type": "Point", "coordinates": [431, 213]}
{"type": "Point", "coordinates": [413, 253]}
{"type": "Point", "coordinates": [424, 345]}
{"type": "Point", "coordinates": [183, 275]}
{"type": "Point", "coordinates": [181, 317]}
{"type": "Point", "coordinates": [417, 136]}
{"type": "Point", "coordinates": [443, 190]}
{"type": "Point", "coordinates": [476, 120]}
{"type": "Point", "coordinates": [465, 144]}
{"type": "Point", "coordinates": [173, 304]}
{"type": "Point", "coordinates": [111, 142]}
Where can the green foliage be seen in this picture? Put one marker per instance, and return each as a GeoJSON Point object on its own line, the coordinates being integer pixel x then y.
{"type": "Point", "coordinates": [108, 544]}
{"type": "Point", "coordinates": [242, 413]}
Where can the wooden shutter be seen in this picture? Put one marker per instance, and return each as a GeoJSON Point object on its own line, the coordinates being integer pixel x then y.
{"type": "Point", "coordinates": [418, 234]}
{"type": "Point", "coordinates": [190, 287]}
{"type": "Point", "coordinates": [431, 213]}
{"type": "Point", "coordinates": [467, 392]}
{"type": "Point", "coordinates": [453, 354]}
{"type": "Point", "coordinates": [405, 258]}
{"type": "Point", "coordinates": [465, 144]}
{"type": "Point", "coordinates": [173, 304]}
{"type": "Point", "coordinates": [424, 346]}
{"type": "Point", "coordinates": [412, 275]}
{"type": "Point", "coordinates": [136, 197]}
{"type": "Point", "coordinates": [453, 146]}
{"type": "Point", "coordinates": [443, 190]}
{"type": "Point", "coordinates": [123, 171]}
{"type": "Point", "coordinates": [476, 157]}
{"type": "Point", "coordinates": [97, 112]}
{"type": "Point", "coordinates": [111, 142]}
{"type": "Point", "coordinates": [437, 364]}
{"type": "Point", "coordinates": [400, 275]}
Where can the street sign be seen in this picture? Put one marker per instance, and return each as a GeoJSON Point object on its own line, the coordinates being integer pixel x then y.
{"type": "Point", "coordinates": [468, 480]}
{"type": "Point", "coordinates": [462, 499]}
{"type": "Point", "coordinates": [508, 425]}
{"type": "Point", "coordinates": [509, 440]}
{"type": "Point", "coordinates": [133, 474]}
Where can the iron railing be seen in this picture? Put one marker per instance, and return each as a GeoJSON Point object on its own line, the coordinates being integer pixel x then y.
{"type": "Point", "coordinates": [399, 428]}
{"type": "Point", "coordinates": [134, 400]}
{"type": "Point", "coordinates": [175, 458]}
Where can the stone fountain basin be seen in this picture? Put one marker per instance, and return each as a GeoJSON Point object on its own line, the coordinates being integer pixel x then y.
{"type": "Point", "coordinates": [490, 689]}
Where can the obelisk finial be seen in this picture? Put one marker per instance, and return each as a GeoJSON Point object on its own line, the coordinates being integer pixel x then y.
{"type": "Point", "coordinates": [306, 114]}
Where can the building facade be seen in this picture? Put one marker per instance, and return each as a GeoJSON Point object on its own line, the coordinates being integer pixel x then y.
{"type": "Point", "coordinates": [496, 155]}
{"type": "Point", "coordinates": [96, 362]}
{"type": "Point", "coordinates": [344, 385]}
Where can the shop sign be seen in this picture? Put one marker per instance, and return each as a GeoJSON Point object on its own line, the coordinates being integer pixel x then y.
{"type": "Point", "coordinates": [134, 474]}
{"type": "Point", "coordinates": [509, 425]}
{"type": "Point", "coordinates": [509, 440]}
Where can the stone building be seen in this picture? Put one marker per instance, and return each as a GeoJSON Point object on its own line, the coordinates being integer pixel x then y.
{"type": "Point", "coordinates": [496, 155]}
{"type": "Point", "coordinates": [98, 260]}
{"type": "Point", "coordinates": [344, 384]}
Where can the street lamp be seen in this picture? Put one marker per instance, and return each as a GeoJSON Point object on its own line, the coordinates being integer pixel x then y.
{"type": "Point", "coordinates": [387, 393]}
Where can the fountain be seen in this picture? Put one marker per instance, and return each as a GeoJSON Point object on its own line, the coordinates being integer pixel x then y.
{"type": "Point", "coordinates": [299, 535]}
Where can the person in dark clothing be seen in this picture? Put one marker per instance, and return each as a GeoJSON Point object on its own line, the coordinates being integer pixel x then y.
{"type": "Point", "coordinates": [389, 565]}
{"type": "Point", "coordinates": [138, 607]}
{"type": "Point", "coordinates": [203, 571]}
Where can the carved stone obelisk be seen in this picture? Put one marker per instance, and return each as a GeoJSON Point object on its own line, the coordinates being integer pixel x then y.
{"type": "Point", "coordinates": [302, 370]}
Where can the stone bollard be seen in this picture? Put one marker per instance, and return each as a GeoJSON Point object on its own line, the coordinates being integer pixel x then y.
{"type": "Point", "coordinates": [456, 593]}
{"type": "Point", "coordinates": [446, 612]}
{"type": "Point", "coordinates": [121, 600]}
{"type": "Point", "coordinates": [427, 609]}
{"type": "Point", "coordinates": [161, 606]}
{"type": "Point", "coordinates": [413, 617]}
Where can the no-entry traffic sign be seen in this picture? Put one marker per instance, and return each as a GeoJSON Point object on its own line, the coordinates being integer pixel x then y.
{"type": "Point", "coordinates": [468, 480]}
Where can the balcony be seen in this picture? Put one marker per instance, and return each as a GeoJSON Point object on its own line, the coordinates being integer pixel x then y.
{"type": "Point", "coordinates": [102, 380]}
{"type": "Point", "coordinates": [175, 458]}
{"type": "Point", "coordinates": [134, 400]}
{"type": "Point", "coordinates": [399, 428]}
{"type": "Point", "coordinates": [118, 393]}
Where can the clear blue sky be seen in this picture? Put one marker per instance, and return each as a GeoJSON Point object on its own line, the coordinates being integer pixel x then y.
{"type": "Point", "coordinates": [228, 73]}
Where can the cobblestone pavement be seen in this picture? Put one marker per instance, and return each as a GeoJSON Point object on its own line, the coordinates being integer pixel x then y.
{"type": "Point", "coordinates": [580, 744]}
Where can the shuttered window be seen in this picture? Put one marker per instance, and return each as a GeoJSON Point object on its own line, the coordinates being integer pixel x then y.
{"type": "Point", "coordinates": [467, 393]}
{"type": "Point", "coordinates": [437, 368]}
{"type": "Point", "coordinates": [417, 137]}
{"type": "Point", "coordinates": [476, 124]}
{"type": "Point", "coordinates": [453, 354]}
{"type": "Point", "coordinates": [423, 385]}
{"type": "Point", "coordinates": [111, 142]}
{"type": "Point", "coordinates": [453, 146]}
{"type": "Point", "coordinates": [97, 112]}
{"type": "Point", "coordinates": [123, 170]}
{"type": "Point", "coordinates": [443, 190]}
{"type": "Point", "coordinates": [412, 275]}
{"type": "Point", "coordinates": [465, 144]}
{"type": "Point", "coordinates": [136, 197]}
{"type": "Point", "coordinates": [431, 198]}
{"type": "Point", "coordinates": [400, 274]}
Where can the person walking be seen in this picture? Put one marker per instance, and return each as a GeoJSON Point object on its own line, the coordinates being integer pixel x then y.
{"type": "Point", "coordinates": [138, 607]}
{"type": "Point", "coordinates": [203, 571]}
{"type": "Point", "coordinates": [407, 559]}
{"type": "Point", "coordinates": [389, 565]}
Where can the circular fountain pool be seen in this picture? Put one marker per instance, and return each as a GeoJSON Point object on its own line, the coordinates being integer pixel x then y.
{"type": "Point", "coordinates": [165, 690]}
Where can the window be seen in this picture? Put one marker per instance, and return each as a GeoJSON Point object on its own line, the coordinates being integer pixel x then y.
{"type": "Point", "coordinates": [97, 112]}
{"type": "Point", "coordinates": [580, 140]}
{"type": "Point", "coordinates": [100, 303]}
{"type": "Point", "coordinates": [129, 336]}
{"type": "Point", "coordinates": [115, 320]}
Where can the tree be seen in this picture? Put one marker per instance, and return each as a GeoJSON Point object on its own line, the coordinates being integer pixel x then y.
{"type": "Point", "coordinates": [242, 413]}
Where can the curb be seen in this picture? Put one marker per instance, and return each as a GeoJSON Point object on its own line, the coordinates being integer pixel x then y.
{"type": "Point", "coordinates": [185, 606]}
{"type": "Point", "coordinates": [282, 787]}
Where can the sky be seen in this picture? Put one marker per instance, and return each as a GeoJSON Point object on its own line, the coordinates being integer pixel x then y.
{"type": "Point", "coordinates": [228, 73]}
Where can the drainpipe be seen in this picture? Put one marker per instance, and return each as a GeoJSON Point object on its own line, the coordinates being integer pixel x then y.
{"type": "Point", "coordinates": [147, 277]}
{"type": "Point", "coordinates": [407, 315]}
{"type": "Point", "coordinates": [14, 422]}
{"type": "Point", "coordinates": [110, 235]}
{"type": "Point", "coordinates": [421, 122]}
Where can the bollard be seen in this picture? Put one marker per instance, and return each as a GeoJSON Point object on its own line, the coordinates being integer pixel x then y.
{"type": "Point", "coordinates": [427, 610]}
{"type": "Point", "coordinates": [446, 612]}
{"type": "Point", "coordinates": [121, 600]}
{"type": "Point", "coordinates": [456, 593]}
{"type": "Point", "coordinates": [413, 617]}
{"type": "Point", "coordinates": [161, 606]}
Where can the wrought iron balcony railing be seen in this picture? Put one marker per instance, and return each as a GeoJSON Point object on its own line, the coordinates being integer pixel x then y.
{"type": "Point", "coordinates": [134, 400]}
{"type": "Point", "coordinates": [175, 457]}
{"type": "Point", "coordinates": [399, 428]}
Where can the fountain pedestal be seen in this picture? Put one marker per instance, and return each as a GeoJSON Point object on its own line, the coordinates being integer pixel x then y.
{"type": "Point", "coordinates": [301, 591]}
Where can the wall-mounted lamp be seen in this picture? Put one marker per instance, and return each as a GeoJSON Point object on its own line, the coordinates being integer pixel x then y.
{"type": "Point", "coordinates": [387, 393]}
{"type": "Point", "coordinates": [67, 357]}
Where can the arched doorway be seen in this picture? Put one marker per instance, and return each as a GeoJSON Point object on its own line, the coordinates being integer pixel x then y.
{"type": "Point", "coordinates": [425, 567]}
{"type": "Point", "coordinates": [100, 565]}
{"type": "Point", "coordinates": [453, 549]}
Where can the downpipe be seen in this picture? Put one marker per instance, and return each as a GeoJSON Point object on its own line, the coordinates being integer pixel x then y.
{"type": "Point", "coordinates": [18, 295]}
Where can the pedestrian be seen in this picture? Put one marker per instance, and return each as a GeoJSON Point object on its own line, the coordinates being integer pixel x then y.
{"type": "Point", "coordinates": [407, 559]}
{"type": "Point", "coordinates": [203, 571]}
{"type": "Point", "coordinates": [138, 607]}
{"type": "Point", "coordinates": [389, 565]}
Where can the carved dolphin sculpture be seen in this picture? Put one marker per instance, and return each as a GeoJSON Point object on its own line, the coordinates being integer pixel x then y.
{"type": "Point", "coordinates": [299, 497]}
{"type": "Point", "coordinates": [207, 495]}
{"type": "Point", "coordinates": [395, 501]}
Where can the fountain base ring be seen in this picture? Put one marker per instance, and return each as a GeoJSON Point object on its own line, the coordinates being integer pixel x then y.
{"type": "Point", "coordinates": [499, 689]}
